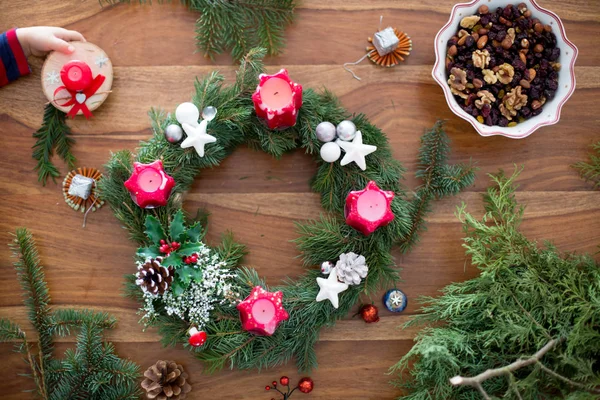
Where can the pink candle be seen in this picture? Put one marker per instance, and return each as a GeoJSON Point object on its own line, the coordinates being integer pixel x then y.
{"type": "Point", "coordinates": [277, 100]}
{"type": "Point", "coordinates": [262, 311]}
{"type": "Point", "coordinates": [149, 185]}
{"type": "Point", "coordinates": [368, 209]}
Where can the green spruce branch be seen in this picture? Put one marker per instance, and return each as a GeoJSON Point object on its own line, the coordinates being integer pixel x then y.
{"type": "Point", "coordinates": [322, 239]}
{"type": "Point", "coordinates": [590, 171]}
{"type": "Point", "coordinates": [54, 134]}
{"type": "Point", "coordinates": [529, 301]}
{"type": "Point", "coordinates": [92, 370]}
{"type": "Point", "coordinates": [237, 26]}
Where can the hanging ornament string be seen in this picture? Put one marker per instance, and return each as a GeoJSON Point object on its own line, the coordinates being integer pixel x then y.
{"type": "Point", "coordinates": [388, 48]}
{"type": "Point", "coordinates": [78, 81]}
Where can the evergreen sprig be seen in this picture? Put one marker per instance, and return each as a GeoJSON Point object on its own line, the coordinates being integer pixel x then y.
{"type": "Point", "coordinates": [54, 134]}
{"type": "Point", "coordinates": [526, 297]}
{"type": "Point", "coordinates": [92, 370]}
{"type": "Point", "coordinates": [590, 171]}
{"type": "Point", "coordinates": [238, 26]}
{"type": "Point", "coordinates": [322, 239]}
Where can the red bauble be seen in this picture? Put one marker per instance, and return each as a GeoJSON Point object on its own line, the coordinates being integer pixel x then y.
{"type": "Point", "coordinates": [284, 380]}
{"type": "Point", "coordinates": [306, 385]}
{"type": "Point", "coordinates": [197, 338]}
{"type": "Point", "coordinates": [369, 313]}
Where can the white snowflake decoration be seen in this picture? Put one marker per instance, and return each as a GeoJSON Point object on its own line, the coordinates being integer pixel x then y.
{"type": "Point", "coordinates": [101, 60]}
{"type": "Point", "coordinates": [52, 77]}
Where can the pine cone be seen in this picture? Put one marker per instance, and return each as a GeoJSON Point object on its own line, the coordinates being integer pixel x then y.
{"type": "Point", "coordinates": [351, 268]}
{"type": "Point", "coordinates": [153, 277]}
{"type": "Point", "coordinates": [166, 380]}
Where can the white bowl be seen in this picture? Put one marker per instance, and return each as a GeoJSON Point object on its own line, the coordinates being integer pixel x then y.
{"type": "Point", "coordinates": [566, 76]}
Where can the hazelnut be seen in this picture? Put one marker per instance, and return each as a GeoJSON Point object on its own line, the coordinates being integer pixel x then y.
{"type": "Point", "coordinates": [506, 43]}
{"type": "Point", "coordinates": [524, 43]}
{"type": "Point", "coordinates": [539, 28]}
{"type": "Point", "coordinates": [475, 36]}
{"type": "Point", "coordinates": [538, 48]}
{"type": "Point", "coordinates": [527, 14]}
{"type": "Point", "coordinates": [478, 83]}
{"type": "Point", "coordinates": [452, 51]}
{"type": "Point", "coordinates": [525, 83]}
{"type": "Point", "coordinates": [483, 10]}
{"type": "Point", "coordinates": [522, 7]}
{"type": "Point", "coordinates": [482, 42]}
{"type": "Point", "coordinates": [547, 28]}
{"type": "Point", "coordinates": [482, 31]}
{"type": "Point", "coordinates": [448, 62]}
{"type": "Point", "coordinates": [535, 104]}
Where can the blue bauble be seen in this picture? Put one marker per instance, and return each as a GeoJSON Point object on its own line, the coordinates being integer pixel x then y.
{"type": "Point", "coordinates": [395, 300]}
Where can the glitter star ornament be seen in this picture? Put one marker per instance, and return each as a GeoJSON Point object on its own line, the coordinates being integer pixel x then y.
{"type": "Point", "coordinates": [330, 288]}
{"type": "Point", "coordinates": [262, 311]}
{"type": "Point", "coordinates": [368, 209]}
{"type": "Point", "coordinates": [356, 151]}
{"type": "Point", "coordinates": [149, 185]}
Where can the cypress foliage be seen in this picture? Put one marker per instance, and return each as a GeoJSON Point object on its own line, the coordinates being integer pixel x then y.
{"type": "Point", "coordinates": [322, 239]}
{"type": "Point", "coordinates": [527, 297]}
{"type": "Point", "coordinates": [590, 170]}
{"type": "Point", "coordinates": [92, 370]}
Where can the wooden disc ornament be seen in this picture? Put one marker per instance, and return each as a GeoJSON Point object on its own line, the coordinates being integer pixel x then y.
{"type": "Point", "coordinates": [77, 83]}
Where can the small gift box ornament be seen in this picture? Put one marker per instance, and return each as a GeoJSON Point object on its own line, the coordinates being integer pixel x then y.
{"type": "Point", "coordinates": [80, 189]}
{"type": "Point", "coordinates": [77, 83]}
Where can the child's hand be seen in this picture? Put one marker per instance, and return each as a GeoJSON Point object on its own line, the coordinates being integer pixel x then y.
{"type": "Point", "coordinates": [39, 40]}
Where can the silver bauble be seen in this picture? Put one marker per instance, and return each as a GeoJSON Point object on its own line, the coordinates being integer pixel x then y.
{"type": "Point", "coordinates": [325, 131]}
{"type": "Point", "coordinates": [209, 113]}
{"type": "Point", "coordinates": [173, 133]}
{"type": "Point", "coordinates": [346, 130]}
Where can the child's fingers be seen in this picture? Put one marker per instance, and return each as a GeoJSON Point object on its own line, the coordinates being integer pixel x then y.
{"type": "Point", "coordinates": [70, 36]}
{"type": "Point", "coordinates": [61, 46]}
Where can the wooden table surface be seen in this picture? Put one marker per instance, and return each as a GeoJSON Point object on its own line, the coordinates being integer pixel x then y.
{"type": "Point", "coordinates": [153, 51]}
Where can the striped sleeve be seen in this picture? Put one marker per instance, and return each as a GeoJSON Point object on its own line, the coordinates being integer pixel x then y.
{"type": "Point", "coordinates": [13, 62]}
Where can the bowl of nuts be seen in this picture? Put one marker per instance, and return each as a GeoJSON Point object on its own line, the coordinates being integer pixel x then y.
{"type": "Point", "coordinates": [506, 68]}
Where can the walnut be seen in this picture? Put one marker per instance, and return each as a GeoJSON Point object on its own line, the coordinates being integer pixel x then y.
{"type": "Point", "coordinates": [481, 58]}
{"type": "Point", "coordinates": [511, 34]}
{"type": "Point", "coordinates": [458, 93]}
{"type": "Point", "coordinates": [489, 76]}
{"type": "Point", "coordinates": [469, 22]}
{"type": "Point", "coordinates": [505, 73]}
{"type": "Point", "coordinates": [486, 98]}
{"type": "Point", "coordinates": [458, 79]}
{"type": "Point", "coordinates": [512, 102]}
{"type": "Point", "coordinates": [462, 33]}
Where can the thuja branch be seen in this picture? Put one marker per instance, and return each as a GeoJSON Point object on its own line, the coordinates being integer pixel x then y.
{"type": "Point", "coordinates": [54, 134]}
{"type": "Point", "coordinates": [590, 170]}
{"type": "Point", "coordinates": [476, 381]}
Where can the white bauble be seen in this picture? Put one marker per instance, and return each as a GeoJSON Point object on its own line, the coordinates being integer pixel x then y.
{"type": "Point", "coordinates": [330, 152]}
{"type": "Point", "coordinates": [187, 113]}
{"type": "Point", "coordinates": [325, 131]}
{"type": "Point", "coordinates": [346, 130]}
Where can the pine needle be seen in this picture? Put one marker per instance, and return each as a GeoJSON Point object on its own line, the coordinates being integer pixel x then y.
{"type": "Point", "coordinates": [590, 171]}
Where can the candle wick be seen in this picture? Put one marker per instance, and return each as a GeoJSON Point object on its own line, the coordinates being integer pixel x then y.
{"type": "Point", "coordinates": [276, 93]}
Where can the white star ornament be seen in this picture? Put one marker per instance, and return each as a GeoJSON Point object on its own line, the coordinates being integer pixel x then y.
{"type": "Point", "coordinates": [330, 288]}
{"type": "Point", "coordinates": [356, 151]}
{"type": "Point", "coordinates": [197, 137]}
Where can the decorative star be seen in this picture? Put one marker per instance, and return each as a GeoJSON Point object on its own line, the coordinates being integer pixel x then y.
{"type": "Point", "coordinates": [197, 137]}
{"type": "Point", "coordinates": [368, 209]}
{"type": "Point", "coordinates": [249, 313]}
{"type": "Point", "coordinates": [52, 77]}
{"type": "Point", "coordinates": [330, 288]}
{"type": "Point", "coordinates": [101, 60]}
{"type": "Point", "coordinates": [149, 184]}
{"type": "Point", "coordinates": [396, 299]}
{"type": "Point", "coordinates": [356, 151]}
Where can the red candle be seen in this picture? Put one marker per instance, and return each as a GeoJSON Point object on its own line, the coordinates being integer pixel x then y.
{"type": "Point", "coordinates": [76, 75]}
{"type": "Point", "coordinates": [277, 100]}
{"type": "Point", "coordinates": [368, 209]}
{"type": "Point", "coordinates": [262, 311]}
{"type": "Point", "coordinates": [149, 185]}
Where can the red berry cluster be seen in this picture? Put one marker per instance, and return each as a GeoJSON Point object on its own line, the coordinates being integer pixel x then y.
{"type": "Point", "coordinates": [168, 248]}
{"type": "Point", "coordinates": [305, 385]}
{"type": "Point", "coordinates": [193, 259]}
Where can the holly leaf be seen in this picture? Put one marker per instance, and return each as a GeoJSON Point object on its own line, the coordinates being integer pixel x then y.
{"type": "Point", "coordinates": [195, 233]}
{"type": "Point", "coordinates": [177, 288]}
{"type": "Point", "coordinates": [145, 252]}
{"type": "Point", "coordinates": [184, 275]}
{"type": "Point", "coordinates": [174, 260]}
{"type": "Point", "coordinates": [177, 228]}
{"type": "Point", "coordinates": [154, 230]}
{"type": "Point", "coordinates": [187, 249]}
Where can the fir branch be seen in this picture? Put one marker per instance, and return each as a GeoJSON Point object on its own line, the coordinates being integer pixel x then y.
{"type": "Point", "coordinates": [525, 296]}
{"type": "Point", "coordinates": [590, 171]}
{"type": "Point", "coordinates": [54, 133]}
{"type": "Point", "coordinates": [93, 371]}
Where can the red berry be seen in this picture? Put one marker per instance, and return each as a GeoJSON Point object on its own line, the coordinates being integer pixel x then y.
{"type": "Point", "coordinates": [194, 258]}
{"type": "Point", "coordinates": [267, 387]}
{"type": "Point", "coordinates": [274, 383]}
{"type": "Point", "coordinates": [162, 241]}
{"type": "Point", "coordinates": [284, 380]}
